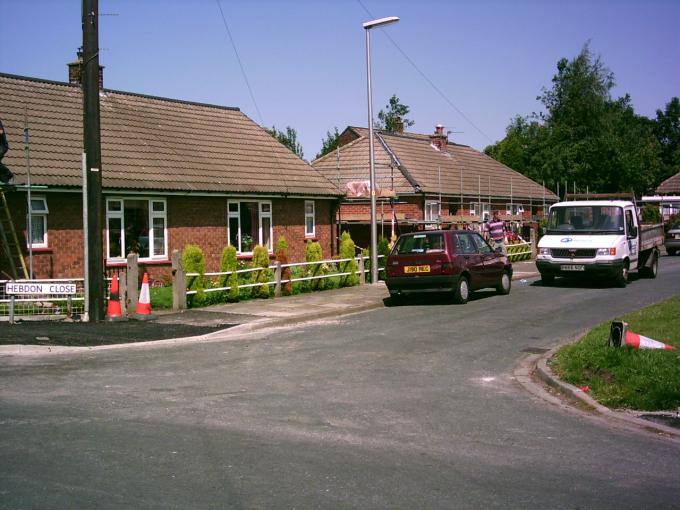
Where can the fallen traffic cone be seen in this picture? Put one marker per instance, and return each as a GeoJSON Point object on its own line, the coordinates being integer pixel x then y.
{"type": "Point", "coordinates": [113, 310]}
{"type": "Point", "coordinates": [143, 310]}
{"type": "Point", "coordinates": [619, 333]}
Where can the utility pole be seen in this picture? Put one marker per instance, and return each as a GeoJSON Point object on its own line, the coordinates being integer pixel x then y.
{"type": "Point", "coordinates": [91, 130]}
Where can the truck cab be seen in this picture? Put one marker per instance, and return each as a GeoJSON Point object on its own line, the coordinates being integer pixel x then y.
{"type": "Point", "coordinates": [598, 239]}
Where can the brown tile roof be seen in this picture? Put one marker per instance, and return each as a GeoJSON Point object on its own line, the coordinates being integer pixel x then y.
{"type": "Point", "coordinates": [149, 143]}
{"type": "Point", "coordinates": [670, 186]}
{"type": "Point", "coordinates": [422, 167]}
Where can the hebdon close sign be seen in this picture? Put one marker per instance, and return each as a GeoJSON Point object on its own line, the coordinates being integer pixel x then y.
{"type": "Point", "coordinates": [32, 288]}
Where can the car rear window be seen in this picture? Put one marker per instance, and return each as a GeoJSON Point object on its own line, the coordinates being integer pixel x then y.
{"type": "Point", "coordinates": [420, 243]}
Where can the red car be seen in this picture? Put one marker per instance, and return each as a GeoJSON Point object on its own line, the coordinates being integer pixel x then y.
{"type": "Point", "coordinates": [449, 261]}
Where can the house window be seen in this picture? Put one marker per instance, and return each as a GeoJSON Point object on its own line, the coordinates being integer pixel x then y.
{"type": "Point", "coordinates": [249, 223]}
{"type": "Point", "coordinates": [432, 212]}
{"type": "Point", "coordinates": [310, 222]}
{"type": "Point", "coordinates": [514, 209]}
{"type": "Point", "coordinates": [38, 212]}
{"type": "Point", "coordinates": [136, 226]}
{"type": "Point", "coordinates": [480, 209]}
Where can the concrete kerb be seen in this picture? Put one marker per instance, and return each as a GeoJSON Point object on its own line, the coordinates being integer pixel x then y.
{"type": "Point", "coordinates": [536, 367]}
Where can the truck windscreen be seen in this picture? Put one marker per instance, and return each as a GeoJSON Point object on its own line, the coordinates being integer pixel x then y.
{"type": "Point", "coordinates": [586, 219]}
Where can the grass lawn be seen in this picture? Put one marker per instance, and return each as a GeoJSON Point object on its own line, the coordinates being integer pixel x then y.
{"type": "Point", "coordinates": [161, 297]}
{"type": "Point", "coordinates": [627, 378]}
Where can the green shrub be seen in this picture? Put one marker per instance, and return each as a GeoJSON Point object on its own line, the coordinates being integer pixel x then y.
{"type": "Point", "coordinates": [193, 261]}
{"type": "Point", "coordinates": [261, 259]}
{"type": "Point", "coordinates": [229, 263]}
{"type": "Point", "coordinates": [313, 254]}
{"type": "Point", "coordinates": [282, 258]}
{"type": "Point", "coordinates": [651, 214]}
{"type": "Point", "coordinates": [366, 253]}
{"type": "Point", "coordinates": [348, 251]}
{"type": "Point", "coordinates": [384, 250]}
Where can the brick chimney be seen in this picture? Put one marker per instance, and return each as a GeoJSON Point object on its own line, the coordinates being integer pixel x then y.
{"type": "Point", "coordinates": [439, 140]}
{"type": "Point", "coordinates": [75, 70]}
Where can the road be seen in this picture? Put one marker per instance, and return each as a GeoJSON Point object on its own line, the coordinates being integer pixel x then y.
{"type": "Point", "coordinates": [412, 406]}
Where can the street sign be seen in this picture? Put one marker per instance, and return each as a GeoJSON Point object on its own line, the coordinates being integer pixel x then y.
{"type": "Point", "coordinates": [29, 288]}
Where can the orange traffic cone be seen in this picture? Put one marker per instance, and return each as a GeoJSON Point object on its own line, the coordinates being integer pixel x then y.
{"type": "Point", "coordinates": [113, 310]}
{"type": "Point", "coordinates": [143, 310]}
{"type": "Point", "coordinates": [619, 333]}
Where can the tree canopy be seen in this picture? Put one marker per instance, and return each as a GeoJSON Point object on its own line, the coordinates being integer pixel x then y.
{"type": "Point", "coordinates": [588, 138]}
{"type": "Point", "coordinates": [330, 143]}
{"type": "Point", "coordinates": [394, 119]}
{"type": "Point", "coordinates": [287, 138]}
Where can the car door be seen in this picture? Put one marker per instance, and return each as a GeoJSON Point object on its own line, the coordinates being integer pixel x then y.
{"type": "Point", "coordinates": [493, 262]}
{"type": "Point", "coordinates": [471, 259]}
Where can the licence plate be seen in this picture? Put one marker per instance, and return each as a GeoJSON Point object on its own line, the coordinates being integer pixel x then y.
{"type": "Point", "coordinates": [416, 269]}
{"type": "Point", "coordinates": [573, 267]}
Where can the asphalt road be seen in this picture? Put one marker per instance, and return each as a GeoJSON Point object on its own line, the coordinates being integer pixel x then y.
{"type": "Point", "coordinates": [404, 407]}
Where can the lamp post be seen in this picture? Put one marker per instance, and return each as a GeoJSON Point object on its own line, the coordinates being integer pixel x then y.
{"type": "Point", "coordinates": [371, 155]}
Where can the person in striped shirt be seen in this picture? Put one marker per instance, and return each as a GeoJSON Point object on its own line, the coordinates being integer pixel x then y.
{"type": "Point", "coordinates": [496, 228]}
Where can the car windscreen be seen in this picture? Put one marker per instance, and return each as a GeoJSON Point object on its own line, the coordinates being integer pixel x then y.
{"type": "Point", "coordinates": [586, 219]}
{"type": "Point", "coordinates": [419, 243]}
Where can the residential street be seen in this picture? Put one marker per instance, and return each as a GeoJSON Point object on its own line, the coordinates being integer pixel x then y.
{"type": "Point", "coordinates": [410, 406]}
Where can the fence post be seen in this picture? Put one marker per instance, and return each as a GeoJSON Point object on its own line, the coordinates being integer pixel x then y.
{"type": "Point", "coordinates": [11, 309]}
{"type": "Point", "coordinates": [362, 274]}
{"type": "Point", "coordinates": [131, 283]}
{"type": "Point", "coordinates": [179, 284]}
{"type": "Point", "coordinates": [122, 291]}
{"type": "Point", "coordinates": [532, 240]}
{"type": "Point", "coordinates": [277, 279]}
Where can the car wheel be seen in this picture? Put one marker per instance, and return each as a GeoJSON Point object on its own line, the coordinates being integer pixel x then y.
{"type": "Point", "coordinates": [547, 279]}
{"type": "Point", "coordinates": [505, 284]}
{"type": "Point", "coordinates": [396, 298]}
{"type": "Point", "coordinates": [462, 292]}
{"type": "Point", "coordinates": [653, 269]}
{"type": "Point", "coordinates": [621, 279]}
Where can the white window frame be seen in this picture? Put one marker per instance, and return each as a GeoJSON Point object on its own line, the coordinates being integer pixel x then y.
{"type": "Point", "coordinates": [38, 213]}
{"type": "Point", "coordinates": [519, 209]}
{"type": "Point", "coordinates": [485, 210]}
{"type": "Point", "coordinates": [262, 213]}
{"type": "Point", "coordinates": [152, 231]}
{"type": "Point", "coordinates": [312, 216]}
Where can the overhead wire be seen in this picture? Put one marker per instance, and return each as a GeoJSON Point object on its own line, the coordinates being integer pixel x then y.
{"type": "Point", "coordinates": [428, 80]}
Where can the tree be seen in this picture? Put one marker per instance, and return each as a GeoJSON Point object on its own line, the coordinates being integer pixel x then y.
{"type": "Point", "coordinates": [330, 143]}
{"type": "Point", "coordinates": [584, 136]}
{"type": "Point", "coordinates": [394, 120]}
{"type": "Point", "coordinates": [667, 131]}
{"type": "Point", "coordinates": [287, 138]}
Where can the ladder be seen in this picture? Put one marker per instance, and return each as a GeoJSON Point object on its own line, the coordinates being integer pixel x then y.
{"type": "Point", "coordinates": [10, 242]}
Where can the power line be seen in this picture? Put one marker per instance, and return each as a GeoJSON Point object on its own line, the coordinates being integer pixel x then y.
{"type": "Point", "coordinates": [428, 80]}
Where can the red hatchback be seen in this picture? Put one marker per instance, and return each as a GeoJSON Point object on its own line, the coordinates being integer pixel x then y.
{"type": "Point", "coordinates": [453, 261]}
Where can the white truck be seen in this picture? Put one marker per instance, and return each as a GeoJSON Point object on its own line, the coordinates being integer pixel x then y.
{"type": "Point", "coordinates": [599, 239]}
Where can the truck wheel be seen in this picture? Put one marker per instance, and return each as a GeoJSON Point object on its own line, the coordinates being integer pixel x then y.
{"type": "Point", "coordinates": [462, 292]}
{"type": "Point", "coordinates": [621, 279]}
{"type": "Point", "coordinates": [504, 285]}
{"type": "Point", "coordinates": [653, 269]}
{"type": "Point", "coordinates": [547, 279]}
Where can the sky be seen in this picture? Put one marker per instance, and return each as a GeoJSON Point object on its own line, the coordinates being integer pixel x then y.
{"type": "Point", "coordinates": [469, 65]}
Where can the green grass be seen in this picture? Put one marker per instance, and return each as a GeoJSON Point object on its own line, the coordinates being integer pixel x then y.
{"type": "Point", "coordinates": [627, 378]}
{"type": "Point", "coordinates": [161, 297]}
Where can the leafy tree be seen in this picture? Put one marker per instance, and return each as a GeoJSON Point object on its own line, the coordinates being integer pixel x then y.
{"type": "Point", "coordinates": [584, 136]}
{"type": "Point", "coordinates": [330, 143]}
{"type": "Point", "coordinates": [282, 258]}
{"type": "Point", "coordinates": [348, 251]}
{"type": "Point", "coordinates": [313, 253]}
{"type": "Point", "coordinates": [193, 261]}
{"type": "Point", "coordinates": [667, 130]}
{"type": "Point", "coordinates": [229, 263]}
{"type": "Point", "coordinates": [394, 119]}
{"type": "Point", "coordinates": [261, 259]}
{"type": "Point", "coordinates": [287, 138]}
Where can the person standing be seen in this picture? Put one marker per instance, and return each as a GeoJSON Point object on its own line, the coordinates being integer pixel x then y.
{"type": "Point", "coordinates": [496, 228]}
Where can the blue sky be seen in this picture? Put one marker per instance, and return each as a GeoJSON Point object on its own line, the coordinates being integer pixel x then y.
{"type": "Point", "coordinates": [305, 59]}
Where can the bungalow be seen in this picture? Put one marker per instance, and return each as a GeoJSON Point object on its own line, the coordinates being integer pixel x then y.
{"type": "Point", "coordinates": [173, 173]}
{"type": "Point", "coordinates": [425, 181]}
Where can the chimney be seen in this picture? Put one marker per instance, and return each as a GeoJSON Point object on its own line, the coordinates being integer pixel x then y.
{"type": "Point", "coordinates": [439, 140]}
{"type": "Point", "coordinates": [75, 71]}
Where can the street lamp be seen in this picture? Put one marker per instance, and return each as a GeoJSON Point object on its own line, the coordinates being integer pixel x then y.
{"type": "Point", "coordinates": [371, 156]}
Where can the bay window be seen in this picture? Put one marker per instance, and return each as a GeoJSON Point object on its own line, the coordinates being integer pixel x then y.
{"type": "Point", "coordinates": [249, 223]}
{"type": "Point", "coordinates": [138, 226]}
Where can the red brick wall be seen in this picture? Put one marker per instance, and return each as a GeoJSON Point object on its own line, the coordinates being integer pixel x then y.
{"type": "Point", "coordinates": [190, 220]}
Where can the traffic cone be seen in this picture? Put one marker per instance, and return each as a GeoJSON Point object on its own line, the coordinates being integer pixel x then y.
{"type": "Point", "coordinates": [113, 309]}
{"type": "Point", "coordinates": [143, 310]}
{"type": "Point", "coordinates": [619, 333]}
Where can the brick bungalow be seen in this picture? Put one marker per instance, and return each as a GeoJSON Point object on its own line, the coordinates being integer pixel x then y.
{"type": "Point", "coordinates": [173, 172]}
{"type": "Point", "coordinates": [425, 181]}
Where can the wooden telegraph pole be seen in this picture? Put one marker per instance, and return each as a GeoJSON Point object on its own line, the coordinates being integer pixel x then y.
{"type": "Point", "coordinates": [90, 81]}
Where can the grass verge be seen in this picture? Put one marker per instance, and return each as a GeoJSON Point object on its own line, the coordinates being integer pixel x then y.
{"type": "Point", "coordinates": [626, 378]}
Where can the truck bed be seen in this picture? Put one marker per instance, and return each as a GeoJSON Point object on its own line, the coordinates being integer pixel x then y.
{"type": "Point", "coordinates": [651, 235]}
